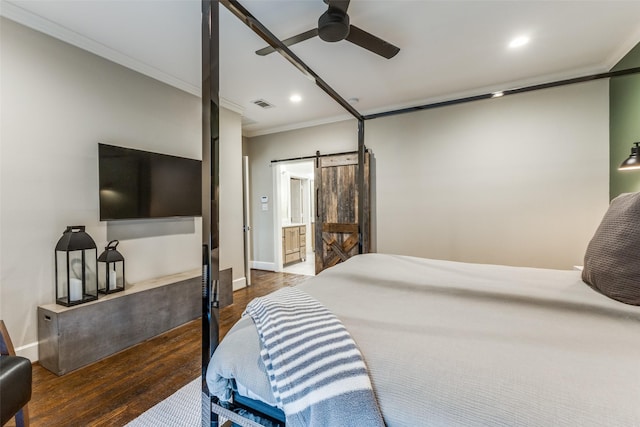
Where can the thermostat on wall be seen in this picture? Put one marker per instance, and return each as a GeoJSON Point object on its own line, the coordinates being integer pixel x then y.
{"type": "Point", "coordinates": [264, 199]}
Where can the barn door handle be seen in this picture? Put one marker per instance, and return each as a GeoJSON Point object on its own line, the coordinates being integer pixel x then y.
{"type": "Point", "coordinates": [317, 208]}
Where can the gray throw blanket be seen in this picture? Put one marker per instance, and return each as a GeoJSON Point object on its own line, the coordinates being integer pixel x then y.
{"type": "Point", "coordinates": [316, 371]}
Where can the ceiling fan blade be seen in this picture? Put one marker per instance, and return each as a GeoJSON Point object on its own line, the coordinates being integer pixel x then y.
{"type": "Point", "coordinates": [370, 42]}
{"type": "Point", "coordinates": [342, 5]}
{"type": "Point", "coordinates": [290, 41]}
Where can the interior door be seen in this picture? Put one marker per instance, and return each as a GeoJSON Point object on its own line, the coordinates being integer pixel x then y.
{"type": "Point", "coordinates": [336, 227]}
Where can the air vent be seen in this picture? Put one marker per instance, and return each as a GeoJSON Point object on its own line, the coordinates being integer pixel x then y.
{"type": "Point", "coordinates": [262, 103]}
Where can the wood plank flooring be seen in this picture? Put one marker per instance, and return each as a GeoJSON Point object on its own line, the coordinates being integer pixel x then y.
{"type": "Point", "coordinates": [116, 390]}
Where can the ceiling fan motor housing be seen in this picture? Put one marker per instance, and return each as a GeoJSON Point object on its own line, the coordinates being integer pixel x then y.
{"type": "Point", "coordinates": [333, 25]}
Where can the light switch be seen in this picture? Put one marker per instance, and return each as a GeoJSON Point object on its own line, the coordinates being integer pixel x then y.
{"type": "Point", "coordinates": [265, 206]}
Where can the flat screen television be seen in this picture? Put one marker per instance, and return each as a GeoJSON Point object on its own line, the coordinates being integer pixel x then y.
{"type": "Point", "coordinates": [136, 184]}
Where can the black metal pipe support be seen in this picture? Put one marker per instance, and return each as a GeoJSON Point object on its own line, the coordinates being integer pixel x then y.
{"type": "Point", "coordinates": [210, 183]}
{"type": "Point", "coordinates": [362, 220]}
{"type": "Point", "coordinates": [514, 91]}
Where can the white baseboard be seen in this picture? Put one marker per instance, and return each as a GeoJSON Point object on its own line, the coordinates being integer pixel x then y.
{"type": "Point", "coordinates": [259, 265]}
{"type": "Point", "coordinates": [239, 283]}
{"type": "Point", "coordinates": [30, 351]}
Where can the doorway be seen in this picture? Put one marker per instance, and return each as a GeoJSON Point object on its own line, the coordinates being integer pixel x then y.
{"type": "Point", "coordinates": [294, 225]}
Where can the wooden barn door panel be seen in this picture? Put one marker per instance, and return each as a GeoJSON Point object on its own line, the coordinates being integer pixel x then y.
{"type": "Point", "coordinates": [337, 229]}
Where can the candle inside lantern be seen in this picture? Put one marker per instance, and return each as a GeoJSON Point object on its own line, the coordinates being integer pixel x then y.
{"type": "Point", "coordinates": [75, 289]}
{"type": "Point", "coordinates": [112, 279]}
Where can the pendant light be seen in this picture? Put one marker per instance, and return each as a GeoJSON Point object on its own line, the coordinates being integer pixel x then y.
{"type": "Point", "coordinates": [633, 161]}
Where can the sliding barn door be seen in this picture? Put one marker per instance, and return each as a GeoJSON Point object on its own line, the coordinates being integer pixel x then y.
{"type": "Point", "coordinates": [336, 223]}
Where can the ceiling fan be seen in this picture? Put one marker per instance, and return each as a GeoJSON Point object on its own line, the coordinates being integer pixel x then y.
{"type": "Point", "coordinates": [333, 26]}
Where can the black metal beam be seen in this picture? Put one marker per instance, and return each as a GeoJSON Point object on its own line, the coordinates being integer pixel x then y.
{"type": "Point", "coordinates": [315, 156]}
{"type": "Point", "coordinates": [505, 92]}
{"type": "Point", "coordinates": [210, 183]}
{"type": "Point", "coordinates": [245, 16]}
{"type": "Point", "coordinates": [362, 220]}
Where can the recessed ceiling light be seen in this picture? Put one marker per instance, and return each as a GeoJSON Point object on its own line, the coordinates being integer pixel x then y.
{"type": "Point", "coordinates": [519, 41]}
{"type": "Point", "coordinates": [295, 98]}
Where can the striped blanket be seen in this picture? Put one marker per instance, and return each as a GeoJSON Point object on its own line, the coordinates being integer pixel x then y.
{"type": "Point", "coordinates": [316, 371]}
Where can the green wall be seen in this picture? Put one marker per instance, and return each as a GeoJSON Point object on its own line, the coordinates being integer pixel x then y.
{"type": "Point", "coordinates": [624, 124]}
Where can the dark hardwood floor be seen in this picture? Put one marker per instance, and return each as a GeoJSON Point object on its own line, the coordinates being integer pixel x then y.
{"type": "Point", "coordinates": [116, 390]}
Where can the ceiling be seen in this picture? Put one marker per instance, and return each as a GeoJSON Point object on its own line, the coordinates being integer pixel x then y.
{"type": "Point", "coordinates": [449, 49]}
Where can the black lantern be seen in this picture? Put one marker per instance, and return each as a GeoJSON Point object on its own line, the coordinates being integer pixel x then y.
{"type": "Point", "coordinates": [76, 279]}
{"type": "Point", "coordinates": [110, 269]}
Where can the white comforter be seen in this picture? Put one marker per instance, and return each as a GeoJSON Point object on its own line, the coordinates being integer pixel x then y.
{"type": "Point", "coordinates": [467, 344]}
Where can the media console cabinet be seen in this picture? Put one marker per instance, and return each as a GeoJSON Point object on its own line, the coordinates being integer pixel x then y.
{"type": "Point", "coordinates": [72, 337]}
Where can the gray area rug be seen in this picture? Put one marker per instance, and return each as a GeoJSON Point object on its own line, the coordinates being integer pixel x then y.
{"type": "Point", "coordinates": [182, 409]}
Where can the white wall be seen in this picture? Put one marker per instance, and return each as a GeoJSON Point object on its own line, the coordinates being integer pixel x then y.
{"type": "Point", "coordinates": [333, 138]}
{"type": "Point", "coordinates": [57, 103]}
{"type": "Point", "coordinates": [231, 201]}
{"type": "Point", "coordinates": [519, 180]}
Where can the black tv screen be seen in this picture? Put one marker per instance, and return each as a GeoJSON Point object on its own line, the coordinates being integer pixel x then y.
{"type": "Point", "coordinates": [137, 184]}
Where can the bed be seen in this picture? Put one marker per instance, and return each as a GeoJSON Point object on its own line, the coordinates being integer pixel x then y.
{"type": "Point", "coordinates": [449, 343]}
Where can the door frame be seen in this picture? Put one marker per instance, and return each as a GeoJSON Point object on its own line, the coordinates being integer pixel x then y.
{"type": "Point", "coordinates": [246, 215]}
{"type": "Point", "coordinates": [277, 170]}
{"type": "Point", "coordinates": [277, 217]}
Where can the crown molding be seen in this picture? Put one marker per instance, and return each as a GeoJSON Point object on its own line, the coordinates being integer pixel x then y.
{"type": "Point", "coordinates": [230, 105]}
{"type": "Point", "coordinates": [15, 13]}
{"type": "Point", "coordinates": [622, 50]}
{"type": "Point", "coordinates": [294, 126]}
